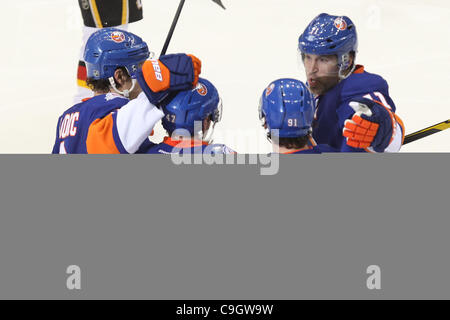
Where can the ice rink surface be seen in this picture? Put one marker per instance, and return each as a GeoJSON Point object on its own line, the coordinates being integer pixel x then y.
{"type": "Point", "coordinates": [242, 49]}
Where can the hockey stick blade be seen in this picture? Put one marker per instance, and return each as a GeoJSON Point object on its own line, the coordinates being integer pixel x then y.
{"type": "Point", "coordinates": [219, 2]}
{"type": "Point", "coordinates": [427, 131]}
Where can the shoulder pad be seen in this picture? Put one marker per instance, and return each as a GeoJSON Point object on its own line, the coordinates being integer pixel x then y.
{"type": "Point", "coordinates": [361, 84]}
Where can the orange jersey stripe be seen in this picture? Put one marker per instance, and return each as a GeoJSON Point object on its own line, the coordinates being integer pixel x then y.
{"type": "Point", "coordinates": [359, 69]}
{"type": "Point", "coordinates": [100, 137]}
{"type": "Point", "coordinates": [184, 143]}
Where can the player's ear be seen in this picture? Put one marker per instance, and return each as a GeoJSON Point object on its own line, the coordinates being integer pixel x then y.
{"type": "Point", "coordinates": [120, 77]}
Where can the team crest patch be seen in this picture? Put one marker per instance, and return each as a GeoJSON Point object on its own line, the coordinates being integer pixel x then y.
{"type": "Point", "coordinates": [118, 36]}
{"type": "Point", "coordinates": [269, 89]}
{"type": "Point", "coordinates": [201, 90]}
{"type": "Point", "coordinates": [340, 24]}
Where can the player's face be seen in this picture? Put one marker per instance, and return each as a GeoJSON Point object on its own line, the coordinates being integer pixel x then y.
{"type": "Point", "coordinates": [322, 72]}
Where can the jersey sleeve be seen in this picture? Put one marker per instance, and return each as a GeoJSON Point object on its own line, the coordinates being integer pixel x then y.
{"type": "Point", "coordinates": [345, 112]}
{"type": "Point", "coordinates": [123, 130]}
{"type": "Point", "coordinates": [398, 136]}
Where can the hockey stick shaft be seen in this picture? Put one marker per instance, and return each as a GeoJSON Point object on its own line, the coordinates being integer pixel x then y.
{"type": "Point", "coordinates": [175, 21]}
{"type": "Point", "coordinates": [172, 27]}
{"type": "Point", "coordinates": [427, 131]}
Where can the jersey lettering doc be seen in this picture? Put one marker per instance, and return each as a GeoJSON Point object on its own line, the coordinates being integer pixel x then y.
{"type": "Point", "coordinates": [78, 130]}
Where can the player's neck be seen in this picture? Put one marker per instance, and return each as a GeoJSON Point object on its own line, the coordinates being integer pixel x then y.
{"type": "Point", "coordinates": [99, 93]}
{"type": "Point", "coordinates": [281, 149]}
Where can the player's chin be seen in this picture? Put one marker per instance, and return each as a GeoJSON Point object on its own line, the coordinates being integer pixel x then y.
{"type": "Point", "coordinates": [317, 89]}
{"type": "Point", "coordinates": [321, 87]}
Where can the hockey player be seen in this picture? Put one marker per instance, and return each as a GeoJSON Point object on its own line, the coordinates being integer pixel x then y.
{"type": "Point", "coordinates": [117, 71]}
{"type": "Point", "coordinates": [98, 14]}
{"type": "Point", "coordinates": [354, 111]}
{"type": "Point", "coordinates": [189, 120]}
{"type": "Point", "coordinates": [286, 110]}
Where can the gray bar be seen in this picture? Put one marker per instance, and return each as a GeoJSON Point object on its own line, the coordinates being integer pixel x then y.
{"type": "Point", "coordinates": [140, 227]}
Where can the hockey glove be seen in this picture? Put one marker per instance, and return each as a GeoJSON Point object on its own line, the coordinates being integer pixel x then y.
{"type": "Point", "coordinates": [173, 72]}
{"type": "Point", "coordinates": [370, 126]}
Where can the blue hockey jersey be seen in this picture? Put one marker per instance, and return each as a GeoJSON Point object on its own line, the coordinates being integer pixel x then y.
{"type": "Point", "coordinates": [313, 148]}
{"type": "Point", "coordinates": [333, 109]}
{"type": "Point", "coordinates": [106, 124]}
{"type": "Point", "coordinates": [320, 148]}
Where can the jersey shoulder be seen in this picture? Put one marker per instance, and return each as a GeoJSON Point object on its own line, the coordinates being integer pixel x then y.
{"type": "Point", "coordinates": [361, 82]}
{"type": "Point", "coordinates": [98, 106]}
{"type": "Point", "coordinates": [325, 148]}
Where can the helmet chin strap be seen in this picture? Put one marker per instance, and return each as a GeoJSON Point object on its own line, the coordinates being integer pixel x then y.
{"type": "Point", "coordinates": [125, 93]}
{"type": "Point", "coordinates": [343, 76]}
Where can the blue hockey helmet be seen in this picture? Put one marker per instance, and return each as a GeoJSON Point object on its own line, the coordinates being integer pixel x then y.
{"type": "Point", "coordinates": [287, 106]}
{"type": "Point", "coordinates": [190, 106]}
{"type": "Point", "coordinates": [111, 48]}
{"type": "Point", "coordinates": [329, 35]}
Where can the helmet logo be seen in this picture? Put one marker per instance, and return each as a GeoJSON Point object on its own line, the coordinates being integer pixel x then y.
{"type": "Point", "coordinates": [340, 24]}
{"type": "Point", "coordinates": [201, 90]}
{"type": "Point", "coordinates": [118, 36]}
{"type": "Point", "coordinates": [270, 89]}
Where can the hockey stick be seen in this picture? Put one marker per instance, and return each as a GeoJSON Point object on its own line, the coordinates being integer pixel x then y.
{"type": "Point", "coordinates": [427, 131]}
{"type": "Point", "coordinates": [175, 21]}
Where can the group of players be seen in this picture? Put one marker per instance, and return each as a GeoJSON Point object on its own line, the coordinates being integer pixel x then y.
{"type": "Point", "coordinates": [342, 108]}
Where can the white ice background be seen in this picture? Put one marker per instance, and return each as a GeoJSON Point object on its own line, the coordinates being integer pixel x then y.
{"type": "Point", "coordinates": [242, 49]}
